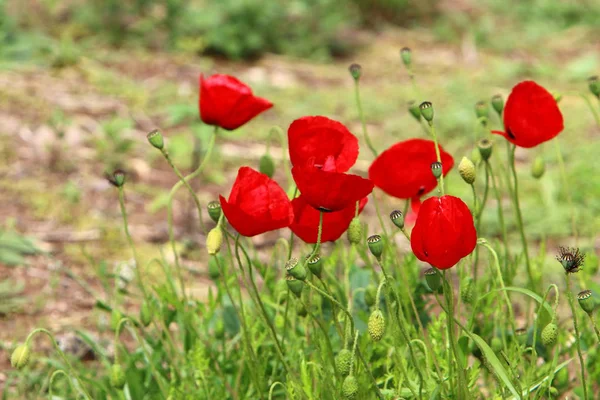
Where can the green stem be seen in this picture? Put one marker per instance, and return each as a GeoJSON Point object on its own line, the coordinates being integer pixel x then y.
{"type": "Point", "coordinates": [437, 155]}
{"type": "Point", "coordinates": [592, 109]}
{"type": "Point", "coordinates": [577, 336]}
{"type": "Point", "coordinates": [563, 174]}
{"type": "Point", "coordinates": [500, 214]}
{"type": "Point", "coordinates": [595, 326]}
{"type": "Point", "coordinates": [53, 376]}
{"type": "Point", "coordinates": [362, 118]}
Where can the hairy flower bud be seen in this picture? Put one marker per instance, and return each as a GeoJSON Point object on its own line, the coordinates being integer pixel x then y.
{"type": "Point", "coordinates": [214, 210]}
{"type": "Point", "coordinates": [376, 325]}
{"type": "Point", "coordinates": [343, 361]}
{"type": "Point", "coordinates": [370, 295]}
{"type": "Point", "coordinates": [214, 240]}
{"type": "Point", "coordinates": [550, 334]}
{"type": "Point", "coordinates": [466, 169]}
{"type": "Point", "coordinates": [355, 231]}
{"type": "Point", "coordinates": [350, 388]}
{"type": "Point", "coordinates": [117, 376]}
{"type": "Point", "coordinates": [20, 356]}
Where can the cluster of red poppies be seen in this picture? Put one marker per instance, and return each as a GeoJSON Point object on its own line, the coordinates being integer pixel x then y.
{"type": "Point", "coordinates": [322, 151]}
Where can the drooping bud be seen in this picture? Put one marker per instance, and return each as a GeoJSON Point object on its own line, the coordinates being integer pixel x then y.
{"type": "Point", "coordinates": [414, 110]}
{"type": "Point", "coordinates": [467, 290]}
{"type": "Point", "coordinates": [586, 301]}
{"type": "Point", "coordinates": [315, 265]}
{"type": "Point", "coordinates": [145, 314]}
{"type": "Point", "coordinates": [485, 148]}
{"type": "Point", "coordinates": [370, 295]}
{"type": "Point", "coordinates": [406, 55]}
{"type": "Point", "coordinates": [117, 179]}
{"type": "Point", "coordinates": [20, 356]}
{"type": "Point", "coordinates": [538, 167]}
{"type": "Point", "coordinates": [214, 272]}
{"type": "Point", "coordinates": [214, 210]}
{"type": "Point", "coordinates": [296, 269]}
{"type": "Point", "coordinates": [294, 284]}
{"type": "Point", "coordinates": [375, 244]}
{"type": "Point", "coordinates": [397, 218]}
{"type": "Point", "coordinates": [436, 169]}
{"type": "Point", "coordinates": [355, 71]}
{"type": "Point", "coordinates": [433, 279]}
{"type": "Point", "coordinates": [482, 112]}
{"type": "Point", "coordinates": [466, 169]}
{"type": "Point", "coordinates": [117, 377]}
{"type": "Point", "coordinates": [594, 85]}
{"type": "Point", "coordinates": [156, 139]}
{"type": "Point", "coordinates": [427, 111]}
{"type": "Point", "coordinates": [300, 309]}
{"type": "Point", "coordinates": [550, 334]}
{"type": "Point", "coordinates": [354, 231]}
{"type": "Point", "coordinates": [350, 388]}
{"type": "Point", "coordinates": [343, 361]}
{"type": "Point", "coordinates": [266, 165]}
{"type": "Point", "coordinates": [498, 104]}
{"type": "Point", "coordinates": [376, 325]}
{"type": "Point", "coordinates": [214, 240]}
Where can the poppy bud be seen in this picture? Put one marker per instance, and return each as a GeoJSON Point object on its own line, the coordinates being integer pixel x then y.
{"type": "Point", "coordinates": [355, 71]}
{"type": "Point", "coordinates": [375, 244]}
{"type": "Point", "coordinates": [370, 295]}
{"type": "Point", "coordinates": [498, 104]}
{"type": "Point", "coordinates": [594, 86]}
{"type": "Point", "coordinates": [482, 111]}
{"type": "Point", "coordinates": [115, 318]}
{"type": "Point", "coordinates": [550, 334]}
{"type": "Point", "coordinates": [214, 272]}
{"type": "Point", "coordinates": [214, 210]}
{"type": "Point", "coordinates": [476, 156]}
{"type": "Point", "coordinates": [414, 110]}
{"type": "Point", "coordinates": [433, 279]}
{"type": "Point", "coordinates": [427, 111]}
{"type": "Point", "coordinates": [315, 265]}
{"type": "Point", "coordinates": [350, 388]}
{"type": "Point", "coordinates": [156, 139]}
{"type": "Point", "coordinates": [586, 301]}
{"type": "Point", "coordinates": [343, 361]}
{"type": "Point", "coordinates": [301, 310]}
{"type": "Point", "coordinates": [355, 231]}
{"type": "Point", "coordinates": [214, 240]}
{"type": "Point", "coordinates": [266, 165]}
{"type": "Point", "coordinates": [296, 269]}
{"type": "Point", "coordinates": [485, 148]}
{"type": "Point", "coordinates": [376, 325]}
{"type": "Point", "coordinates": [406, 55]}
{"type": "Point", "coordinates": [219, 329]}
{"type": "Point", "coordinates": [294, 284]}
{"type": "Point", "coordinates": [538, 167]}
{"type": "Point", "coordinates": [467, 289]}
{"type": "Point", "coordinates": [20, 356]}
{"type": "Point", "coordinates": [466, 169]}
{"type": "Point", "coordinates": [117, 376]}
{"type": "Point", "coordinates": [436, 169]}
{"type": "Point", "coordinates": [117, 179]}
{"type": "Point", "coordinates": [496, 344]}
{"type": "Point", "coordinates": [397, 218]}
{"type": "Point", "coordinates": [145, 314]}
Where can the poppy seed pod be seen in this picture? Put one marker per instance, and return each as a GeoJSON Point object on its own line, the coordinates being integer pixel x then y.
{"type": "Point", "coordinates": [426, 111]}
{"type": "Point", "coordinates": [397, 218]}
{"type": "Point", "coordinates": [466, 169]}
{"type": "Point", "coordinates": [594, 86]}
{"type": "Point", "coordinates": [343, 361]}
{"type": "Point", "coordinates": [355, 71]}
{"type": "Point", "coordinates": [586, 301]}
{"type": "Point", "coordinates": [214, 240]}
{"type": "Point", "coordinates": [570, 258]}
{"type": "Point", "coordinates": [20, 356]}
{"type": "Point", "coordinates": [482, 111]}
{"type": "Point", "coordinates": [414, 110]}
{"type": "Point", "coordinates": [266, 165]}
{"type": "Point", "coordinates": [214, 210]}
{"type": "Point", "coordinates": [498, 104]}
{"type": "Point", "coordinates": [117, 179]}
{"type": "Point", "coordinates": [296, 269]}
{"type": "Point", "coordinates": [538, 167]}
{"type": "Point", "coordinates": [550, 334]}
{"type": "Point", "coordinates": [294, 285]}
{"type": "Point", "coordinates": [355, 231]}
{"type": "Point", "coordinates": [376, 325]}
{"type": "Point", "coordinates": [485, 148]}
{"type": "Point", "coordinates": [433, 279]}
{"type": "Point", "coordinates": [406, 55]}
{"type": "Point", "coordinates": [375, 244]}
{"type": "Point", "coordinates": [315, 265]}
{"type": "Point", "coordinates": [350, 388]}
{"type": "Point", "coordinates": [156, 139]}
{"type": "Point", "coordinates": [436, 169]}
{"type": "Point", "coordinates": [370, 295]}
{"type": "Point", "coordinates": [117, 377]}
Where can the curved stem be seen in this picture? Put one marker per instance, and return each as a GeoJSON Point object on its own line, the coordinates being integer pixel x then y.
{"type": "Point", "coordinates": [577, 335]}
{"type": "Point", "coordinates": [53, 376]}
{"type": "Point", "coordinates": [500, 213]}
{"type": "Point", "coordinates": [362, 118]}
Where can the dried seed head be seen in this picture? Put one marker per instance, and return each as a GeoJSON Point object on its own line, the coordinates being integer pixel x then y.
{"type": "Point", "coordinates": [467, 171]}
{"type": "Point", "coordinates": [570, 258]}
{"type": "Point", "coordinates": [350, 388]}
{"type": "Point", "coordinates": [354, 231]}
{"type": "Point", "coordinates": [550, 334]}
{"type": "Point", "coordinates": [20, 356]}
{"type": "Point", "coordinates": [117, 376]}
{"type": "Point", "coordinates": [214, 240]}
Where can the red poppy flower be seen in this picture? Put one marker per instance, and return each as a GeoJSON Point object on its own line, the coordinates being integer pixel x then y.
{"type": "Point", "coordinates": [444, 232]}
{"type": "Point", "coordinates": [256, 204]}
{"type": "Point", "coordinates": [228, 103]}
{"type": "Point", "coordinates": [306, 221]}
{"type": "Point", "coordinates": [318, 140]}
{"type": "Point", "coordinates": [328, 190]}
{"type": "Point", "coordinates": [531, 116]}
{"type": "Point", "coordinates": [404, 170]}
